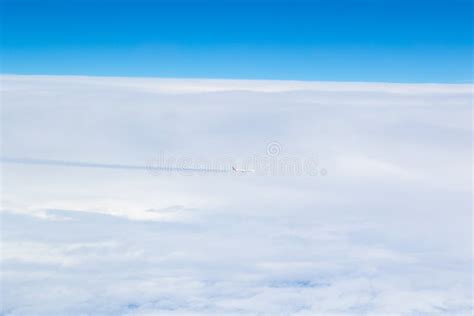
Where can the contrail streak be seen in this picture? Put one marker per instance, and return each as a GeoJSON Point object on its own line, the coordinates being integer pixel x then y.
{"type": "Point", "coordinates": [79, 164]}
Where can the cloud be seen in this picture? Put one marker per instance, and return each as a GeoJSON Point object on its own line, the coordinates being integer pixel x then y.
{"type": "Point", "coordinates": [387, 231]}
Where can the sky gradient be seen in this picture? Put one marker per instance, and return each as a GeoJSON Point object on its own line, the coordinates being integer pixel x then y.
{"type": "Point", "coordinates": [389, 41]}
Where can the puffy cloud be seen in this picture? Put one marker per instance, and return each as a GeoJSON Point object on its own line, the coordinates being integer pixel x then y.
{"type": "Point", "coordinates": [385, 230]}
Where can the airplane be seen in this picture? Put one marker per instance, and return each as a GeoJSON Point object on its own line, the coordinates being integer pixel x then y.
{"type": "Point", "coordinates": [242, 170]}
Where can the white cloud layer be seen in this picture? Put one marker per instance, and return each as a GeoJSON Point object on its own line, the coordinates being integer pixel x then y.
{"type": "Point", "coordinates": [386, 231]}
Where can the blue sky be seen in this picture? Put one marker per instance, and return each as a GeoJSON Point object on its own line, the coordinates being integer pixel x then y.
{"type": "Point", "coordinates": [393, 41]}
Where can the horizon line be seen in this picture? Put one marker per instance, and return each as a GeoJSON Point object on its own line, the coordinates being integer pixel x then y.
{"type": "Point", "coordinates": [466, 83]}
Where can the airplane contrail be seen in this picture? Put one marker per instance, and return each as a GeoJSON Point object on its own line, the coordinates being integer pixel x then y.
{"type": "Point", "coordinates": [79, 164]}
